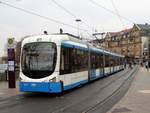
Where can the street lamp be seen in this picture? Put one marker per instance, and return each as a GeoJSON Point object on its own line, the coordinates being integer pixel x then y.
{"type": "Point", "coordinates": [78, 20]}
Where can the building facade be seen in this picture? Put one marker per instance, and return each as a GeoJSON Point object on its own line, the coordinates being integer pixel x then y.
{"type": "Point", "coordinates": [133, 43]}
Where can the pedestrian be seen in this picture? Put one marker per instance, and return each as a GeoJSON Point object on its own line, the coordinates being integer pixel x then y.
{"type": "Point", "coordinates": [125, 65]}
{"type": "Point", "coordinates": [142, 66]}
{"type": "Point", "coordinates": [147, 65]}
{"type": "Point", "coordinates": [130, 65]}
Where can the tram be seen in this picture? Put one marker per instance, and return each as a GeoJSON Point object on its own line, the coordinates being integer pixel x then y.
{"type": "Point", "coordinates": [58, 62]}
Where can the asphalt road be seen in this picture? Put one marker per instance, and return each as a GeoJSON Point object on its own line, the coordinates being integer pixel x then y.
{"type": "Point", "coordinates": [96, 97]}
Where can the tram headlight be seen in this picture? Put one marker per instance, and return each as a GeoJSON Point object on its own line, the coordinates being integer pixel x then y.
{"type": "Point", "coordinates": [53, 79]}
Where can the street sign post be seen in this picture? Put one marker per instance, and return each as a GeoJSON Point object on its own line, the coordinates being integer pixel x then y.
{"type": "Point", "coordinates": [11, 64]}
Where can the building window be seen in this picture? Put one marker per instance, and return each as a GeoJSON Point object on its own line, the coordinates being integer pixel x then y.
{"type": "Point", "coordinates": [131, 39]}
{"type": "Point", "coordinates": [124, 36]}
{"type": "Point", "coordinates": [128, 35]}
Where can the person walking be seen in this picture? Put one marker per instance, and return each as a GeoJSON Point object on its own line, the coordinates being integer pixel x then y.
{"type": "Point", "coordinates": [130, 65]}
{"type": "Point", "coordinates": [125, 65]}
{"type": "Point", "coordinates": [142, 66]}
{"type": "Point", "coordinates": [147, 65]}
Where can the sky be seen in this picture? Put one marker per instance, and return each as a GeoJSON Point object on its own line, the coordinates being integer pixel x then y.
{"type": "Point", "coordinates": [16, 23]}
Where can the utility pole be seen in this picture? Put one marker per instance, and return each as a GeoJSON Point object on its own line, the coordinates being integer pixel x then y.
{"type": "Point", "coordinates": [11, 63]}
{"type": "Point", "coordinates": [78, 20]}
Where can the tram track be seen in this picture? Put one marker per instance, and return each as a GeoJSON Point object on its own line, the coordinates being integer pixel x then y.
{"type": "Point", "coordinates": [62, 109]}
{"type": "Point", "coordinates": [90, 109]}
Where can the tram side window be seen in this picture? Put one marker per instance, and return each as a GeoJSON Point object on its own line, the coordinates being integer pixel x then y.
{"type": "Point", "coordinates": [92, 57]}
{"type": "Point", "coordinates": [106, 60]}
{"type": "Point", "coordinates": [96, 60]}
{"type": "Point", "coordinates": [64, 61]}
{"type": "Point", "coordinates": [73, 60]}
{"type": "Point", "coordinates": [101, 60]}
{"type": "Point", "coordinates": [111, 61]}
{"type": "Point", "coordinates": [116, 61]}
{"type": "Point", "coordinates": [81, 58]}
{"type": "Point", "coordinates": [122, 61]}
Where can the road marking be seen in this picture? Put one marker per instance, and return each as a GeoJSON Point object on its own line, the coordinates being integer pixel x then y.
{"type": "Point", "coordinates": [144, 91]}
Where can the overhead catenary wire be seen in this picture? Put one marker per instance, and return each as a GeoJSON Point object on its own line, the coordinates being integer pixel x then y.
{"type": "Point", "coordinates": [38, 15]}
{"type": "Point", "coordinates": [73, 15]}
{"type": "Point", "coordinates": [110, 11]}
{"type": "Point", "coordinates": [117, 12]}
{"type": "Point", "coordinates": [69, 12]}
{"type": "Point", "coordinates": [66, 10]}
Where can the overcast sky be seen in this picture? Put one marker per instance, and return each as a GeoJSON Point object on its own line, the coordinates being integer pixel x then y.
{"type": "Point", "coordinates": [15, 23]}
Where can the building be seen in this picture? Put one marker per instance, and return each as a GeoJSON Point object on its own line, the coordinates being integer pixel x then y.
{"type": "Point", "coordinates": [3, 60]}
{"type": "Point", "coordinates": [118, 42]}
{"type": "Point", "coordinates": [141, 34]}
{"type": "Point", "coordinates": [134, 43]}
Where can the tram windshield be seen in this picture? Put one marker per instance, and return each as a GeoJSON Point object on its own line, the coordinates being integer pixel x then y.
{"type": "Point", "coordinates": [38, 59]}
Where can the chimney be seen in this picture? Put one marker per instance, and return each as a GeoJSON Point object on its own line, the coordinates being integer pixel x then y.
{"type": "Point", "coordinates": [61, 31]}
{"type": "Point", "coordinates": [45, 33]}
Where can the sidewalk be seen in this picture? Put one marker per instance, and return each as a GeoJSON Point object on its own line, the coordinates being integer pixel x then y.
{"type": "Point", "coordinates": [6, 92]}
{"type": "Point", "coordinates": [137, 99]}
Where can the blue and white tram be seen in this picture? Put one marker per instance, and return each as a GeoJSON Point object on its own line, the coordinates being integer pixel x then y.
{"type": "Point", "coordinates": [54, 63]}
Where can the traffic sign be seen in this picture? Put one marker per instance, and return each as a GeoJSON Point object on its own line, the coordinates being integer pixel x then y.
{"type": "Point", "coordinates": [11, 42]}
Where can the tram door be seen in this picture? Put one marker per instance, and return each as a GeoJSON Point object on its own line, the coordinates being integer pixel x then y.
{"type": "Point", "coordinates": [95, 65]}
{"type": "Point", "coordinates": [89, 65]}
{"type": "Point", "coordinates": [92, 66]}
{"type": "Point", "coordinates": [100, 67]}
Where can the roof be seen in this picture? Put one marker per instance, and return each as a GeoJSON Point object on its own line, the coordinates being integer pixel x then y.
{"type": "Point", "coordinates": [144, 27]}
{"type": "Point", "coordinates": [125, 31]}
{"type": "Point", "coordinates": [111, 34]}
